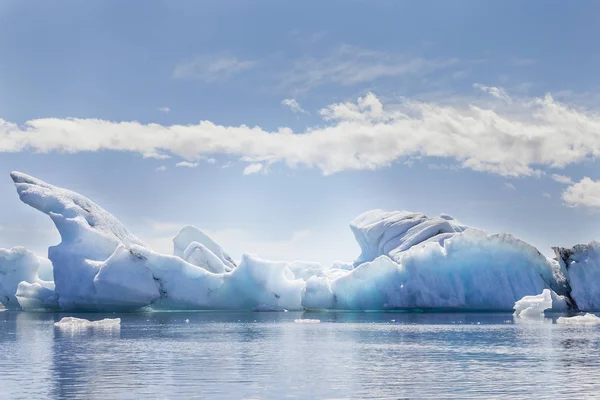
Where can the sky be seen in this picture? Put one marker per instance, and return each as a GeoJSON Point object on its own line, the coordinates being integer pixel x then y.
{"type": "Point", "coordinates": [271, 125]}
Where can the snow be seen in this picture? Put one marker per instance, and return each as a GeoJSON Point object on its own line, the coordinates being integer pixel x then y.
{"type": "Point", "coordinates": [535, 306]}
{"type": "Point", "coordinates": [307, 321]}
{"type": "Point", "coordinates": [80, 323]}
{"type": "Point", "coordinates": [407, 261]}
{"type": "Point", "coordinates": [586, 319]}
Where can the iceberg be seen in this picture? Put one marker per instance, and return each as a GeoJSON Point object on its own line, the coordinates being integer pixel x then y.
{"type": "Point", "coordinates": [536, 306]}
{"type": "Point", "coordinates": [407, 261]}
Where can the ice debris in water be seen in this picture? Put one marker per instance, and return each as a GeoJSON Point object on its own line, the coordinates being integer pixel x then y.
{"type": "Point", "coordinates": [534, 306]}
{"type": "Point", "coordinates": [81, 323]}
{"type": "Point", "coordinates": [408, 260]}
{"type": "Point", "coordinates": [586, 319]}
{"type": "Point", "coordinates": [307, 321]}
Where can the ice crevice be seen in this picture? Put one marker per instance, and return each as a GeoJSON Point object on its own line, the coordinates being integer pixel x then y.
{"type": "Point", "coordinates": [408, 261]}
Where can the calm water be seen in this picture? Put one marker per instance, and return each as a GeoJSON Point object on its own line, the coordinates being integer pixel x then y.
{"type": "Point", "coordinates": [267, 355]}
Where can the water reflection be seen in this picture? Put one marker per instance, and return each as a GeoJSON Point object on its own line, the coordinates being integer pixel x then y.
{"type": "Point", "coordinates": [267, 355]}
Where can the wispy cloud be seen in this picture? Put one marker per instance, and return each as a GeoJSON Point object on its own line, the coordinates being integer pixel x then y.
{"type": "Point", "coordinates": [585, 193]}
{"type": "Point", "coordinates": [497, 92]}
{"type": "Point", "coordinates": [165, 110]}
{"type": "Point", "coordinates": [293, 105]}
{"type": "Point", "coordinates": [366, 134]}
{"type": "Point", "coordinates": [211, 68]}
{"type": "Point", "coordinates": [186, 164]}
{"type": "Point", "coordinates": [350, 65]}
{"type": "Point", "coordinates": [162, 168]}
{"type": "Point", "coordinates": [253, 168]}
{"type": "Point", "coordinates": [510, 186]}
{"type": "Point", "coordinates": [562, 179]}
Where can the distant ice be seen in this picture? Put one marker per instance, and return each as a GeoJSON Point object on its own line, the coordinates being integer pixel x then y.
{"type": "Point", "coordinates": [307, 321]}
{"type": "Point", "coordinates": [586, 319]}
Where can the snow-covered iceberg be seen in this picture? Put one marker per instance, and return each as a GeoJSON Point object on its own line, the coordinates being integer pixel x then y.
{"type": "Point", "coordinates": [407, 261]}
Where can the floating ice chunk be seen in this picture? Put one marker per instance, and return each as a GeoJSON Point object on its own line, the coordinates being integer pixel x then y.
{"type": "Point", "coordinates": [535, 306]}
{"type": "Point", "coordinates": [582, 266]}
{"type": "Point", "coordinates": [18, 265]}
{"type": "Point", "coordinates": [307, 321]}
{"type": "Point", "coordinates": [189, 234]}
{"type": "Point", "coordinates": [586, 319]}
{"type": "Point", "coordinates": [80, 323]}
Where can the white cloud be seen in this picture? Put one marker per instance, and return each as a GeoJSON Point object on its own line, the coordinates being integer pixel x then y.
{"type": "Point", "coordinates": [161, 168]}
{"type": "Point", "coordinates": [585, 193]}
{"type": "Point", "coordinates": [510, 186]}
{"type": "Point", "coordinates": [166, 110]}
{"type": "Point", "coordinates": [546, 195]}
{"type": "Point", "coordinates": [186, 164]}
{"type": "Point", "coordinates": [360, 135]}
{"type": "Point", "coordinates": [155, 155]}
{"type": "Point", "coordinates": [253, 168]}
{"type": "Point", "coordinates": [349, 65]}
{"type": "Point", "coordinates": [562, 179]}
{"type": "Point", "coordinates": [293, 105]}
{"type": "Point", "coordinates": [498, 93]}
{"type": "Point", "coordinates": [211, 68]}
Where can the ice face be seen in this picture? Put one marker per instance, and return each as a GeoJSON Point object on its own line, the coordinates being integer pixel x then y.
{"type": "Point", "coordinates": [582, 267]}
{"type": "Point", "coordinates": [407, 261]}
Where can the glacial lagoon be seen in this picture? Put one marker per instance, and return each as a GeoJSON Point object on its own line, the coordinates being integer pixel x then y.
{"type": "Point", "coordinates": [272, 355]}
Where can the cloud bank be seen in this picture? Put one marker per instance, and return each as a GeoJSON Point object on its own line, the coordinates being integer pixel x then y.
{"type": "Point", "coordinates": [361, 135]}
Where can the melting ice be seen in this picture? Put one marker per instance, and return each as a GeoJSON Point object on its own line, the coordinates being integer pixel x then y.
{"type": "Point", "coordinates": [408, 261]}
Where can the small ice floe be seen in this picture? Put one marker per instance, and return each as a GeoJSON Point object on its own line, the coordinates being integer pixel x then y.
{"type": "Point", "coordinates": [268, 308]}
{"type": "Point", "coordinates": [307, 321]}
{"type": "Point", "coordinates": [81, 323]}
{"type": "Point", "coordinates": [187, 321]}
{"type": "Point", "coordinates": [586, 319]}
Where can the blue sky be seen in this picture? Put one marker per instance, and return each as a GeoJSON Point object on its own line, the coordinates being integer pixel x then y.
{"type": "Point", "coordinates": [291, 119]}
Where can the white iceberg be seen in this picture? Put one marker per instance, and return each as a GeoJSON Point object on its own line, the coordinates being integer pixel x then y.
{"type": "Point", "coordinates": [586, 319]}
{"type": "Point", "coordinates": [535, 306]}
{"type": "Point", "coordinates": [407, 261]}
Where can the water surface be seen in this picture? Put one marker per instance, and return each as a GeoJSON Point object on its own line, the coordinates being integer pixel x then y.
{"type": "Point", "coordinates": [221, 355]}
